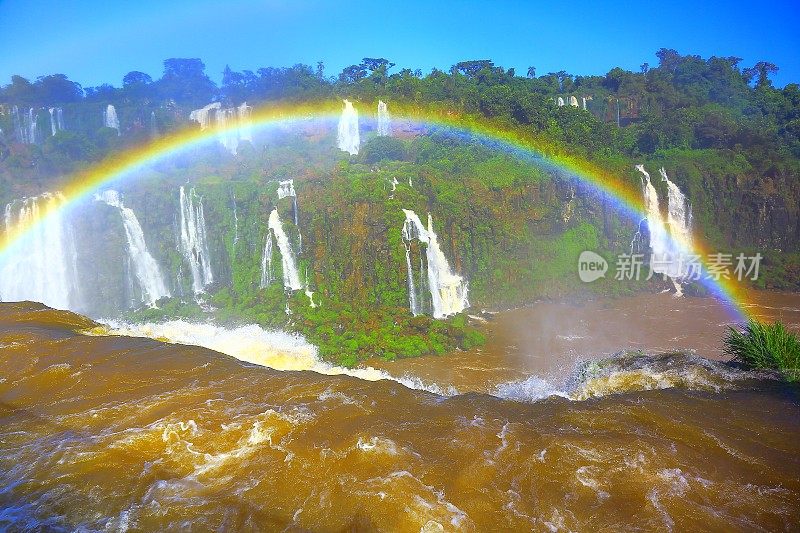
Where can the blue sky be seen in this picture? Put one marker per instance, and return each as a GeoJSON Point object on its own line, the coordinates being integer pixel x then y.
{"type": "Point", "coordinates": [99, 41]}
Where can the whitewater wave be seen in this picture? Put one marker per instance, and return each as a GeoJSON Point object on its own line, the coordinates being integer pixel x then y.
{"type": "Point", "coordinates": [275, 349]}
{"type": "Point", "coordinates": [634, 372]}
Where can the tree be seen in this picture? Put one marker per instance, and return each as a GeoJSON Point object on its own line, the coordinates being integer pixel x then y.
{"type": "Point", "coordinates": [531, 72]}
{"type": "Point", "coordinates": [185, 81]}
{"type": "Point", "coordinates": [353, 73]}
{"type": "Point", "coordinates": [20, 91]}
{"type": "Point", "coordinates": [472, 68]}
{"type": "Point", "coordinates": [668, 59]}
{"type": "Point", "coordinates": [377, 64]}
{"type": "Point", "coordinates": [762, 69]}
{"type": "Point", "coordinates": [233, 85]}
{"type": "Point", "coordinates": [58, 89]}
{"type": "Point", "coordinates": [136, 78]}
{"type": "Point", "coordinates": [136, 84]}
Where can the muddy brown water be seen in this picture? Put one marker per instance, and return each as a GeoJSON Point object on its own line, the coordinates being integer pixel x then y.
{"type": "Point", "coordinates": [548, 338]}
{"type": "Point", "coordinates": [120, 433]}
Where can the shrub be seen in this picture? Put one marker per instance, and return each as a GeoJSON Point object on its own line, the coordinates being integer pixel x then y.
{"type": "Point", "coordinates": [765, 347]}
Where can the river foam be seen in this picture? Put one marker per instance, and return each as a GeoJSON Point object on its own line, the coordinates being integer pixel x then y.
{"type": "Point", "coordinates": [251, 343]}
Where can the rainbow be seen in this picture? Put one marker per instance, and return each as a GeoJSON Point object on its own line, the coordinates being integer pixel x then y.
{"type": "Point", "coordinates": [497, 134]}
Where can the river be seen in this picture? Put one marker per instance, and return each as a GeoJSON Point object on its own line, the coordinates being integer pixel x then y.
{"type": "Point", "coordinates": [107, 432]}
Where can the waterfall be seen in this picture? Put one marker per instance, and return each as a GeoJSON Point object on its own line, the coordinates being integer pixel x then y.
{"type": "Point", "coordinates": [679, 215]}
{"type": "Point", "coordinates": [573, 101]}
{"type": "Point", "coordinates": [285, 189]}
{"type": "Point", "coordinates": [347, 137]}
{"type": "Point", "coordinates": [412, 290]}
{"type": "Point", "coordinates": [153, 126]}
{"type": "Point", "coordinates": [235, 222]}
{"type": "Point", "coordinates": [232, 124]}
{"type": "Point", "coordinates": [560, 101]}
{"type": "Point", "coordinates": [110, 119]}
{"type": "Point", "coordinates": [227, 134]}
{"type": "Point", "coordinates": [26, 127]}
{"type": "Point", "coordinates": [669, 248]}
{"type": "Point", "coordinates": [203, 115]}
{"type": "Point", "coordinates": [309, 293]}
{"type": "Point", "coordinates": [56, 119]}
{"type": "Point", "coordinates": [194, 242]}
{"type": "Point", "coordinates": [33, 126]}
{"type": "Point", "coordinates": [266, 263]}
{"type": "Point", "coordinates": [383, 119]}
{"type": "Point", "coordinates": [42, 266]}
{"type": "Point", "coordinates": [448, 290]}
{"type": "Point", "coordinates": [148, 274]}
{"type": "Point", "coordinates": [291, 278]}
{"type": "Point", "coordinates": [244, 112]}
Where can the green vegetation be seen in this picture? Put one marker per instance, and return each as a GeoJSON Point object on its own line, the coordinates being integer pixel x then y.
{"type": "Point", "coordinates": [765, 347]}
{"type": "Point", "coordinates": [514, 229]}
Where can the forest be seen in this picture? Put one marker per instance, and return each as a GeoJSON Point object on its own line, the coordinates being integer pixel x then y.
{"type": "Point", "coordinates": [727, 136]}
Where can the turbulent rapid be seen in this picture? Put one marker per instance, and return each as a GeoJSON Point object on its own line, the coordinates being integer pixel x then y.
{"type": "Point", "coordinates": [110, 430]}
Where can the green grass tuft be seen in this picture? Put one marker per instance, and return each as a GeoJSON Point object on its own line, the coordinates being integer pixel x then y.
{"type": "Point", "coordinates": [765, 347]}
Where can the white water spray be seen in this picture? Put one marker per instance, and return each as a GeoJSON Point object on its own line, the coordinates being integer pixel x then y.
{"type": "Point", "coordinates": [291, 278]}
{"type": "Point", "coordinates": [194, 241]}
{"type": "Point", "coordinates": [383, 119]}
{"type": "Point", "coordinates": [448, 290]}
{"type": "Point", "coordinates": [110, 119]}
{"type": "Point", "coordinates": [347, 137]}
{"type": "Point", "coordinates": [56, 119]}
{"type": "Point", "coordinates": [266, 263]}
{"type": "Point", "coordinates": [233, 124]}
{"type": "Point", "coordinates": [146, 269]}
{"type": "Point", "coordinates": [670, 243]}
{"type": "Point", "coordinates": [42, 266]}
{"type": "Point", "coordinates": [26, 127]}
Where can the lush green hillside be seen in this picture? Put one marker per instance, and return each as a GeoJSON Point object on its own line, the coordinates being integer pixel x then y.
{"type": "Point", "coordinates": [512, 228]}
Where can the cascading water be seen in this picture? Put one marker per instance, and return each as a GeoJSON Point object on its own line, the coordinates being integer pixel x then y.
{"type": "Point", "coordinates": [291, 278]}
{"type": "Point", "coordinates": [203, 115]}
{"type": "Point", "coordinates": [56, 119]}
{"type": "Point", "coordinates": [560, 101]}
{"type": "Point", "coordinates": [383, 119]}
{"type": "Point", "coordinates": [347, 137]}
{"type": "Point", "coordinates": [26, 127]}
{"type": "Point", "coordinates": [146, 269]}
{"type": "Point", "coordinates": [670, 248]}
{"type": "Point", "coordinates": [412, 289]}
{"type": "Point", "coordinates": [448, 290]}
{"type": "Point", "coordinates": [228, 136]}
{"type": "Point", "coordinates": [194, 242]}
{"type": "Point", "coordinates": [679, 215]}
{"type": "Point", "coordinates": [285, 190]}
{"type": "Point", "coordinates": [43, 266]}
{"type": "Point", "coordinates": [110, 119]}
{"type": "Point", "coordinates": [233, 124]}
{"type": "Point", "coordinates": [244, 112]}
{"type": "Point", "coordinates": [235, 222]}
{"type": "Point", "coordinates": [266, 263]}
{"type": "Point", "coordinates": [153, 125]}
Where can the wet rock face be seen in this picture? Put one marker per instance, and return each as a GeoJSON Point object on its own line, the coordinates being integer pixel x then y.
{"type": "Point", "coordinates": [768, 221]}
